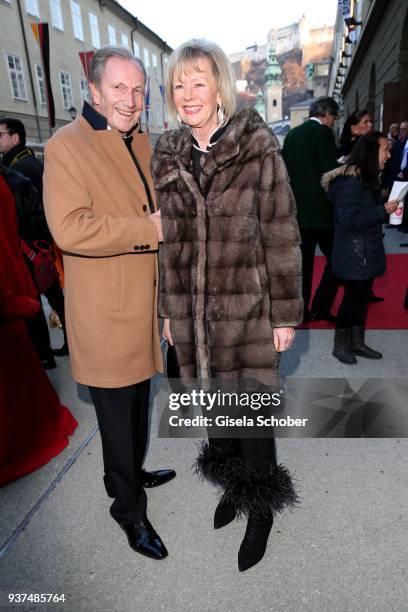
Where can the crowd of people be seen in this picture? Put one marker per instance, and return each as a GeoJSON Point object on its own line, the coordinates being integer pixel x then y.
{"type": "Point", "coordinates": [210, 233]}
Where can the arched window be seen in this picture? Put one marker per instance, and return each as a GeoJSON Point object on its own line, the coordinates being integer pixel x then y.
{"type": "Point", "coordinates": [274, 103]}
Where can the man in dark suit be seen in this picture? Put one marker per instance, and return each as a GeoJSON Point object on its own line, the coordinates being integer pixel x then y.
{"type": "Point", "coordinates": [309, 151]}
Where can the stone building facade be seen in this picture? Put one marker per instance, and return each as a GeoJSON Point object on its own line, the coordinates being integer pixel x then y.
{"type": "Point", "coordinates": [370, 59]}
{"type": "Point", "coordinates": [74, 26]}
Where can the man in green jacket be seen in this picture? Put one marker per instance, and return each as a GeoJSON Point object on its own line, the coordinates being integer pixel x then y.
{"type": "Point", "coordinates": [309, 151]}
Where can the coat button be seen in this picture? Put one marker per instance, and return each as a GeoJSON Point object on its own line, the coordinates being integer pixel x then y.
{"type": "Point", "coordinates": [147, 246]}
{"type": "Point", "coordinates": [144, 207]}
{"type": "Point", "coordinates": [136, 248]}
{"type": "Point", "coordinates": [141, 247]}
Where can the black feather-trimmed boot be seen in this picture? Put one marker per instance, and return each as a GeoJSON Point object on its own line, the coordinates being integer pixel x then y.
{"type": "Point", "coordinates": [253, 546]}
{"type": "Point", "coordinates": [250, 491]}
{"type": "Point", "coordinates": [224, 514]}
{"type": "Point", "coordinates": [359, 347]}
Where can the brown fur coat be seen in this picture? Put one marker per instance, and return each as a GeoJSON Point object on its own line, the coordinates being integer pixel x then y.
{"type": "Point", "coordinates": [230, 261]}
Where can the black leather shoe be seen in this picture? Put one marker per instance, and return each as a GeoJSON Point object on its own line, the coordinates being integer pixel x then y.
{"type": "Point", "coordinates": [61, 352]}
{"type": "Point", "coordinates": [144, 540]}
{"type": "Point", "coordinates": [323, 316]}
{"type": "Point", "coordinates": [156, 477]}
{"type": "Point", "coordinates": [223, 515]}
{"type": "Point", "coordinates": [49, 364]}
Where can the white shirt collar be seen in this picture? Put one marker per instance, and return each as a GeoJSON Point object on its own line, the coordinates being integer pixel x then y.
{"type": "Point", "coordinates": [315, 119]}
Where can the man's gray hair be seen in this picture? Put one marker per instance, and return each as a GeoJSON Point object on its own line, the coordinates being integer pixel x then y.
{"type": "Point", "coordinates": [322, 106]}
{"type": "Point", "coordinates": [98, 62]}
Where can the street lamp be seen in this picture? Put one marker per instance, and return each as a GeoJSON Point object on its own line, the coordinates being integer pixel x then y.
{"type": "Point", "coordinates": [72, 112]}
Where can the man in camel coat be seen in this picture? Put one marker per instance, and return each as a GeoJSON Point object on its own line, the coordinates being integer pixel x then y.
{"type": "Point", "coordinates": [99, 203]}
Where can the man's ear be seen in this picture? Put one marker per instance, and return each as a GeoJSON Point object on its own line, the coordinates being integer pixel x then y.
{"type": "Point", "coordinates": [15, 138]}
{"type": "Point", "coordinates": [94, 93]}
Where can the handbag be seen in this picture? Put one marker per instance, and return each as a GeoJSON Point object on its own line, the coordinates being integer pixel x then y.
{"type": "Point", "coordinates": [42, 258]}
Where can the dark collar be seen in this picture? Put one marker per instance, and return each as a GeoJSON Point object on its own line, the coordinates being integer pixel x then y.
{"type": "Point", "coordinates": [95, 119]}
{"type": "Point", "coordinates": [8, 158]}
{"type": "Point", "coordinates": [213, 140]}
{"type": "Point", "coordinates": [99, 122]}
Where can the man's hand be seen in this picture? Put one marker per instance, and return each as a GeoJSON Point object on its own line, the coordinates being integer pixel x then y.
{"type": "Point", "coordinates": [283, 338]}
{"type": "Point", "coordinates": [391, 206]}
{"type": "Point", "coordinates": [156, 218]}
{"type": "Point", "coordinates": [166, 332]}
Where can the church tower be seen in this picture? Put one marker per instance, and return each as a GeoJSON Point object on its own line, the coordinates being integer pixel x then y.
{"type": "Point", "coordinates": [273, 83]}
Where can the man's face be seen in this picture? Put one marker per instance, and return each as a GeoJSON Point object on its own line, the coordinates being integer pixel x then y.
{"type": "Point", "coordinates": [7, 142]}
{"type": "Point", "coordinates": [119, 97]}
{"type": "Point", "coordinates": [403, 129]}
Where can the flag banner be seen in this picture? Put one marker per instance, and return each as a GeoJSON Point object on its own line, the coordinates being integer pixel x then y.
{"type": "Point", "coordinates": [161, 87]}
{"type": "Point", "coordinates": [85, 57]}
{"type": "Point", "coordinates": [344, 7]}
{"type": "Point", "coordinates": [41, 33]}
{"type": "Point", "coordinates": [147, 102]}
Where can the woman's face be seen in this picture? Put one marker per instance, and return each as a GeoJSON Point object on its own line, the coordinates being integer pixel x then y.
{"type": "Point", "coordinates": [196, 95]}
{"type": "Point", "coordinates": [383, 152]}
{"type": "Point", "coordinates": [364, 126]}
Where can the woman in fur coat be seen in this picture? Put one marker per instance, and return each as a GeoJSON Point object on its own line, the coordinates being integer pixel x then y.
{"type": "Point", "coordinates": [230, 281]}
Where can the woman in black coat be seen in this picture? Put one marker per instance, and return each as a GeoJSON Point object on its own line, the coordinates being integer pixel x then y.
{"type": "Point", "coordinates": [358, 250]}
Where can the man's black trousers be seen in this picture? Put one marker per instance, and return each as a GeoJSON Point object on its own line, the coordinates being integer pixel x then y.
{"type": "Point", "coordinates": [123, 418]}
{"type": "Point", "coordinates": [327, 289]}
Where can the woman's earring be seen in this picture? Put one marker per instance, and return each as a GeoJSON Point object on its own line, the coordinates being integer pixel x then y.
{"type": "Point", "coordinates": [220, 115]}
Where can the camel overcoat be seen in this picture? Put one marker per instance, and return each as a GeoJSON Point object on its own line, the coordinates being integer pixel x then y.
{"type": "Point", "coordinates": [230, 264]}
{"type": "Point", "coordinates": [97, 210]}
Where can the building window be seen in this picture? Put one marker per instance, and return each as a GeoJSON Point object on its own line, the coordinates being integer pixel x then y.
{"type": "Point", "coordinates": [56, 14]}
{"type": "Point", "coordinates": [85, 93]}
{"type": "Point", "coordinates": [146, 58]}
{"type": "Point", "coordinates": [111, 35]}
{"type": "Point", "coordinates": [154, 62]}
{"type": "Point", "coordinates": [66, 90]}
{"type": "Point", "coordinates": [16, 77]}
{"type": "Point", "coordinates": [125, 41]}
{"type": "Point", "coordinates": [274, 103]}
{"type": "Point", "coordinates": [39, 71]}
{"type": "Point", "coordinates": [32, 7]}
{"type": "Point", "coordinates": [77, 20]}
{"type": "Point", "coordinates": [136, 49]}
{"type": "Point", "coordinates": [93, 24]}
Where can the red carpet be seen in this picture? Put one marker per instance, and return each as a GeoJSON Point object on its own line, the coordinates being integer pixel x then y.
{"type": "Point", "coordinates": [389, 314]}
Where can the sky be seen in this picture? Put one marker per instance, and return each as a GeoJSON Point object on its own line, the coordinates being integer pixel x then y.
{"type": "Point", "coordinates": [232, 24]}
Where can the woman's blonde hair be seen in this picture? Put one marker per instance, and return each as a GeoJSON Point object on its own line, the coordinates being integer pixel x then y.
{"type": "Point", "coordinates": [185, 57]}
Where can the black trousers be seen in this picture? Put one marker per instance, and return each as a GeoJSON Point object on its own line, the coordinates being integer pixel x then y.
{"type": "Point", "coordinates": [353, 308]}
{"type": "Point", "coordinates": [327, 289]}
{"type": "Point", "coordinates": [123, 418]}
{"type": "Point", "coordinates": [38, 326]}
